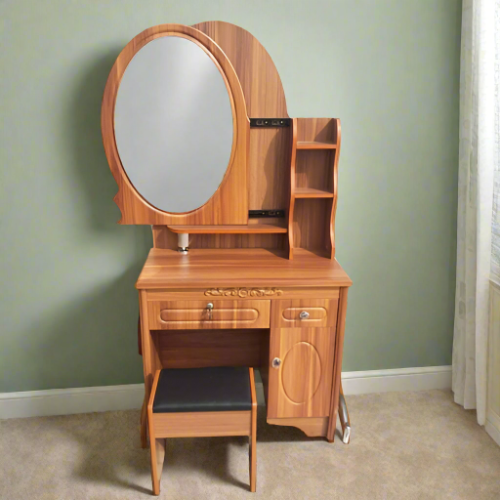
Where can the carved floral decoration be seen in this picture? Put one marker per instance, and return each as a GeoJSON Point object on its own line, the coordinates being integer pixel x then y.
{"type": "Point", "coordinates": [243, 292]}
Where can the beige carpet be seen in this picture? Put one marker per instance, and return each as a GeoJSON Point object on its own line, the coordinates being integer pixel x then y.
{"type": "Point", "coordinates": [416, 445]}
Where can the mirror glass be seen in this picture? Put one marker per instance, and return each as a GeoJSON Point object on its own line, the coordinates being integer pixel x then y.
{"type": "Point", "coordinates": [174, 124]}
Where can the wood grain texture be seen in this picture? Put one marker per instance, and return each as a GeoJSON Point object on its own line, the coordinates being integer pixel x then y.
{"type": "Point", "coordinates": [339, 349]}
{"type": "Point", "coordinates": [157, 446]}
{"type": "Point", "coordinates": [310, 426]}
{"type": "Point", "coordinates": [301, 386]}
{"type": "Point", "coordinates": [150, 357]}
{"type": "Point", "coordinates": [312, 292]}
{"type": "Point", "coordinates": [311, 221]}
{"type": "Point", "coordinates": [308, 192]}
{"type": "Point", "coordinates": [226, 241]}
{"type": "Point", "coordinates": [163, 238]}
{"type": "Point", "coordinates": [293, 168]}
{"type": "Point", "coordinates": [200, 424]}
{"type": "Point", "coordinates": [144, 422]}
{"type": "Point", "coordinates": [261, 228]}
{"type": "Point", "coordinates": [256, 71]}
{"type": "Point", "coordinates": [229, 204]}
{"type": "Point", "coordinates": [315, 145]}
{"type": "Point", "coordinates": [239, 268]}
{"type": "Point", "coordinates": [318, 130]}
{"type": "Point", "coordinates": [264, 365]}
{"type": "Point", "coordinates": [314, 170]}
{"type": "Point", "coordinates": [195, 315]}
{"type": "Point", "coordinates": [203, 424]}
{"type": "Point", "coordinates": [314, 176]}
{"type": "Point", "coordinates": [203, 348]}
{"type": "Point", "coordinates": [335, 188]}
{"type": "Point", "coordinates": [293, 187]}
{"type": "Point", "coordinates": [253, 434]}
{"type": "Point", "coordinates": [269, 168]}
{"type": "Point", "coordinates": [268, 161]}
{"type": "Point", "coordinates": [286, 313]}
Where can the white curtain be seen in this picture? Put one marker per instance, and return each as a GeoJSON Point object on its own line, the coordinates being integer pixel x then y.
{"type": "Point", "coordinates": [478, 245]}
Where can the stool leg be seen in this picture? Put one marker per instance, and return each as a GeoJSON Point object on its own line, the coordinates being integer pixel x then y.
{"type": "Point", "coordinates": [157, 458]}
{"type": "Point", "coordinates": [253, 436]}
{"type": "Point", "coordinates": [144, 423]}
{"type": "Point", "coordinates": [253, 463]}
{"type": "Point", "coordinates": [156, 445]}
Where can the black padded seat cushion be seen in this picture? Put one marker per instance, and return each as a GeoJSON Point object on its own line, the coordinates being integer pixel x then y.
{"type": "Point", "coordinates": [203, 389]}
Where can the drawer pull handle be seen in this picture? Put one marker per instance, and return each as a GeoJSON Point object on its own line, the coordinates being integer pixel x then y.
{"type": "Point", "coordinates": [210, 308]}
{"type": "Point", "coordinates": [304, 315]}
{"type": "Point", "coordinates": [276, 362]}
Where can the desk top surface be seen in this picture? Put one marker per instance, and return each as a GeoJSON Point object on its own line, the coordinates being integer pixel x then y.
{"type": "Point", "coordinates": [253, 267]}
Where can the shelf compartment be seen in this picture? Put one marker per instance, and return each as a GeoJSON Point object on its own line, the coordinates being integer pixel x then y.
{"type": "Point", "coordinates": [305, 192]}
{"type": "Point", "coordinates": [304, 145]}
{"type": "Point", "coordinates": [258, 228]}
{"type": "Point", "coordinates": [311, 224]}
{"type": "Point", "coordinates": [314, 169]}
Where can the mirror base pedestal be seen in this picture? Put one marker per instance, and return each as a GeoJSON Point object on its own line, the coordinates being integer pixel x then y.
{"type": "Point", "coordinates": [183, 243]}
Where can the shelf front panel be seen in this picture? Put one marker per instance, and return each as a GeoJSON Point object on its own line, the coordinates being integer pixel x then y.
{"type": "Point", "coordinates": [312, 193]}
{"type": "Point", "coordinates": [315, 145]}
{"type": "Point", "coordinates": [246, 229]}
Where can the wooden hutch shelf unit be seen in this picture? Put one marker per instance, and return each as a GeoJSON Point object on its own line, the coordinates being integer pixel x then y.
{"type": "Point", "coordinates": [263, 292]}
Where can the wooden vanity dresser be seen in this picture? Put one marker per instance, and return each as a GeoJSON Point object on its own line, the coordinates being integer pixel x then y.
{"type": "Point", "coordinates": [248, 276]}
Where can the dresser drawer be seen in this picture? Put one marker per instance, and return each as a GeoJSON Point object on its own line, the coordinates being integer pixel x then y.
{"type": "Point", "coordinates": [300, 313]}
{"type": "Point", "coordinates": [206, 314]}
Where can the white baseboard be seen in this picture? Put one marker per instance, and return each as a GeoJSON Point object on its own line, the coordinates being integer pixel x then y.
{"type": "Point", "coordinates": [399, 379]}
{"type": "Point", "coordinates": [127, 397]}
{"type": "Point", "coordinates": [492, 426]}
{"type": "Point", "coordinates": [69, 401]}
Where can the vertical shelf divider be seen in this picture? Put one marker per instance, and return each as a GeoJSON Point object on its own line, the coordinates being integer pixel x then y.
{"type": "Point", "coordinates": [293, 157]}
{"type": "Point", "coordinates": [335, 184]}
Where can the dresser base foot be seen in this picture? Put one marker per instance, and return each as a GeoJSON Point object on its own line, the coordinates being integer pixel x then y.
{"type": "Point", "coordinates": [310, 426]}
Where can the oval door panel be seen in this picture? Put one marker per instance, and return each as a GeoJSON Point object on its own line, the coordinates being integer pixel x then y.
{"type": "Point", "coordinates": [301, 372]}
{"type": "Point", "coordinates": [173, 123]}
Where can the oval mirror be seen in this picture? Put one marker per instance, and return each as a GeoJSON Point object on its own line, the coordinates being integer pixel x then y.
{"type": "Point", "coordinates": [173, 122]}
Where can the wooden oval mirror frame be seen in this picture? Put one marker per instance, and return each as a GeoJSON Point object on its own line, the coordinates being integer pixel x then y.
{"type": "Point", "coordinates": [229, 204]}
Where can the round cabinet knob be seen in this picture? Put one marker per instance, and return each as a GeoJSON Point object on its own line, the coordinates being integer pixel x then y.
{"type": "Point", "coordinates": [304, 315]}
{"type": "Point", "coordinates": [276, 362]}
{"type": "Point", "coordinates": [210, 308]}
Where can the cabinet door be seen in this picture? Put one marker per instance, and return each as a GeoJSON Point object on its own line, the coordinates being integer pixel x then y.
{"type": "Point", "coordinates": [300, 372]}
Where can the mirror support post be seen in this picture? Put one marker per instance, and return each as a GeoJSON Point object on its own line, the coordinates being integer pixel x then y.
{"type": "Point", "coordinates": [183, 243]}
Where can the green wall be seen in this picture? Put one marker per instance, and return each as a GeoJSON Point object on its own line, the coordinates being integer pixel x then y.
{"type": "Point", "coordinates": [388, 68]}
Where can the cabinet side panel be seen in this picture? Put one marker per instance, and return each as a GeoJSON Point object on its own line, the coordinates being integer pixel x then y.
{"type": "Point", "coordinates": [338, 351]}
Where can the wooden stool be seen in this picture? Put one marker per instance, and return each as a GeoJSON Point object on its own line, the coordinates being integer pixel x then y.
{"type": "Point", "coordinates": [201, 402]}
